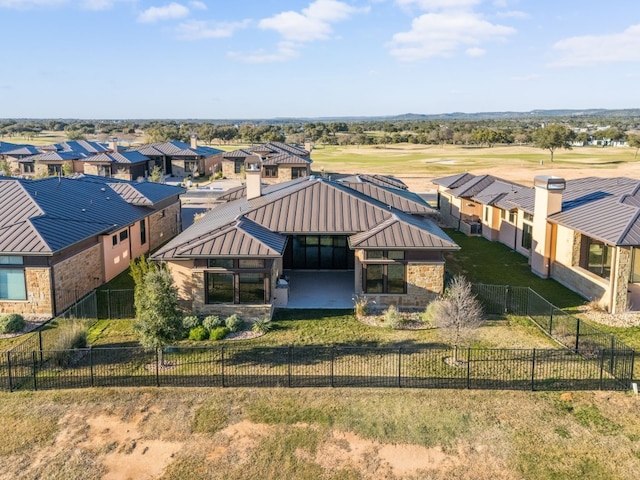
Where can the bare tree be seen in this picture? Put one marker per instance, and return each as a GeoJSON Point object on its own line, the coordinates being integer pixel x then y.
{"type": "Point", "coordinates": [458, 314]}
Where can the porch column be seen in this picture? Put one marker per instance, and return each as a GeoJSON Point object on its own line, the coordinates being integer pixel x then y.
{"type": "Point", "coordinates": [620, 280]}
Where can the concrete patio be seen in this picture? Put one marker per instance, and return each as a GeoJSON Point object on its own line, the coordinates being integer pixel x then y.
{"type": "Point", "coordinates": [320, 289]}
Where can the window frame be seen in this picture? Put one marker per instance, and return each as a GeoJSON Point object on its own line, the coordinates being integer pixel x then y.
{"type": "Point", "coordinates": [13, 264]}
{"type": "Point", "coordinates": [383, 261]}
{"type": "Point", "coordinates": [238, 271]}
{"type": "Point", "coordinates": [270, 171]}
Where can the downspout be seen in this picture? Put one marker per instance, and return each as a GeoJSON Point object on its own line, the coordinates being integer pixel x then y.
{"type": "Point", "coordinates": [515, 234]}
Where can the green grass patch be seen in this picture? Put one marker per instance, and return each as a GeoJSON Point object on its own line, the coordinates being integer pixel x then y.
{"type": "Point", "coordinates": [122, 281]}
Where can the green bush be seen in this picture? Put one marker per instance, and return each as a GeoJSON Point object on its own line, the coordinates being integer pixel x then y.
{"type": "Point", "coordinates": [234, 323]}
{"type": "Point", "coordinates": [428, 317]}
{"type": "Point", "coordinates": [198, 333]}
{"type": "Point", "coordinates": [218, 333]}
{"type": "Point", "coordinates": [190, 321]}
{"type": "Point", "coordinates": [392, 318]}
{"type": "Point", "coordinates": [11, 323]}
{"type": "Point", "coordinates": [212, 321]}
{"type": "Point", "coordinates": [262, 325]}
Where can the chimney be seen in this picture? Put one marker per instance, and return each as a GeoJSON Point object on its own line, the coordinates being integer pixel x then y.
{"type": "Point", "coordinates": [113, 144]}
{"type": "Point", "coordinates": [548, 200]}
{"type": "Point", "coordinates": [194, 140]}
{"type": "Point", "coordinates": [253, 171]}
{"type": "Point", "coordinates": [308, 146]}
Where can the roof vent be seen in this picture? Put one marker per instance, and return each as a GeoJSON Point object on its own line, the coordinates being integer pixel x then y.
{"type": "Point", "coordinates": [102, 189]}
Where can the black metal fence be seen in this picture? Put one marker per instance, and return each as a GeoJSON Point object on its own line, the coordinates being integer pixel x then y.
{"type": "Point", "coordinates": [309, 366]}
{"type": "Point", "coordinates": [113, 304]}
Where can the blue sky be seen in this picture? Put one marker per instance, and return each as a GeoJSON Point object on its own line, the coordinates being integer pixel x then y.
{"type": "Point", "coordinates": [314, 58]}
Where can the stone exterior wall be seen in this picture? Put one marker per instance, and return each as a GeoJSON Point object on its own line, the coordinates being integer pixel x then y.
{"type": "Point", "coordinates": [228, 170]}
{"type": "Point", "coordinates": [449, 210]}
{"type": "Point", "coordinates": [163, 225]}
{"type": "Point", "coordinates": [622, 272]}
{"type": "Point", "coordinates": [38, 300]}
{"type": "Point", "coordinates": [583, 282]}
{"type": "Point", "coordinates": [76, 276]}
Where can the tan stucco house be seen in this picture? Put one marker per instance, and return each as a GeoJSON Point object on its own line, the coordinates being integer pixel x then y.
{"type": "Point", "coordinates": [584, 233]}
{"type": "Point", "coordinates": [231, 261]}
{"type": "Point", "coordinates": [62, 237]}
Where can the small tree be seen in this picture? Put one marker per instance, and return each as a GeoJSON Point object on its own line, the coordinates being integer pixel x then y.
{"type": "Point", "coordinates": [552, 137]}
{"type": "Point", "coordinates": [158, 320]}
{"type": "Point", "coordinates": [458, 314]}
{"type": "Point", "coordinates": [155, 175]}
{"type": "Point", "coordinates": [634, 142]}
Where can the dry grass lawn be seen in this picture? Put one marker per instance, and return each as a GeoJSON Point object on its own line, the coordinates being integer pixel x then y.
{"type": "Point", "coordinates": [318, 434]}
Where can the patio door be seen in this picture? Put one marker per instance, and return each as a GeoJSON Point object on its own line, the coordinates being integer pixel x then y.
{"type": "Point", "coordinates": [318, 252]}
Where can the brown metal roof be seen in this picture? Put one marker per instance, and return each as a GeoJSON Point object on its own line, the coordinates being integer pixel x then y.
{"type": "Point", "coordinates": [401, 199]}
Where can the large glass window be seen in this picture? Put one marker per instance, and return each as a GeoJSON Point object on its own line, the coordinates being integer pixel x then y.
{"type": "Point", "coordinates": [219, 288]}
{"type": "Point", "coordinates": [238, 166]}
{"type": "Point", "coordinates": [220, 263]}
{"type": "Point", "coordinates": [635, 266]}
{"type": "Point", "coordinates": [251, 287]}
{"type": "Point", "coordinates": [527, 236]}
{"type": "Point", "coordinates": [12, 284]}
{"type": "Point", "coordinates": [395, 278]}
{"type": "Point", "coordinates": [298, 172]}
{"type": "Point", "coordinates": [374, 275]}
{"type": "Point", "coordinates": [143, 232]}
{"type": "Point", "coordinates": [595, 256]}
{"type": "Point", "coordinates": [384, 278]}
{"type": "Point", "coordinates": [324, 252]}
{"type": "Point", "coordinates": [270, 171]}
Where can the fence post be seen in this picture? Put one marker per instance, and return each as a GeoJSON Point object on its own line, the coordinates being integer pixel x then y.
{"type": "Point", "coordinates": [506, 300]}
{"type": "Point", "coordinates": [613, 358]}
{"type": "Point", "coordinates": [35, 371]}
{"type": "Point", "coordinates": [533, 370]}
{"type": "Point", "coordinates": [290, 362]}
{"type": "Point", "coordinates": [601, 366]}
{"type": "Point", "coordinates": [222, 363]}
{"type": "Point", "coordinates": [91, 364]}
{"type": "Point", "coordinates": [468, 367]}
{"type": "Point", "coordinates": [332, 359]}
{"type": "Point", "coordinates": [157, 368]}
{"type": "Point", "coordinates": [577, 335]}
{"type": "Point", "coordinates": [109, 304]}
{"type": "Point", "coordinates": [550, 320]}
{"type": "Point", "coordinates": [9, 371]}
{"type": "Point", "coordinates": [40, 345]}
{"type": "Point", "coordinates": [399, 367]}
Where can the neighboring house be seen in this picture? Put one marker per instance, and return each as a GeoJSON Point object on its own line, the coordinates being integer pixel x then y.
{"type": "Point", "coordinates": [127, 165]}
{"type": "Point", "coordinates": [178, 158]}
{"type": "Point", "coordinates": [232, 259]}
{"type": "Point", "coordinates": [281, 162]}
{"type": "Point", "coordinates": [62, 237]}
{"type": "Point", "coordinates": [584, 233]}
{"type": "Point", "coordinates": [85, 148]}
{"type": "Point", "coordinates": [50, 163]}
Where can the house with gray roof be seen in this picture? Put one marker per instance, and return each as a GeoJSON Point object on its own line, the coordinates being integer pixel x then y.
{"type": "Point", "coordinates": [126, 165]}
{"type": "Point", "coordinates": [281, 162]}
{"type": "Point", "coordinates": [234, 258]}
{"type": "Point", "coordinates": [178, 158]}
{"type": "Point", "coordinates": [584, 233]}
{"type": "Point", "coordinates": [61, 237]}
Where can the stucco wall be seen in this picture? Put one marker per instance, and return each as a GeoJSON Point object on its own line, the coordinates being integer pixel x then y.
{"type": "Point", "coordinates": [38, 295]}
{"type": "Point", "coordinates": [116, 257]}
{"type": "Point", "coordinates": [583, 282]}
{"type": "Point", "coordinates": [163, 225]}
{"type": "Point", "coordinates": [78, 275]}
{"type": "Point", "coordinates": [564, 247]}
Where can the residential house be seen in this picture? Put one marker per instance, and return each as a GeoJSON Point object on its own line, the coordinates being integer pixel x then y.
{"type": "Point", "coordinates": [584, 233]}
{"type": "Point", "coordinates": [232, 260]}
{"type": "Point", "coordinates": [126, 165]}
{"type": "Point", "coordinates": [178, 158]}
{"type": "Point", "coordinates": [281, 162]}
{"type": "Point", "coordinates": [61, 237]}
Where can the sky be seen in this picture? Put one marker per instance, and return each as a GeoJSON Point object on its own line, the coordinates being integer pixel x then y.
{"type": "Point", "coordinates": [235, 59]}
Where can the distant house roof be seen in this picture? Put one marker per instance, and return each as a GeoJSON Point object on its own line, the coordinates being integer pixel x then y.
{"type": "Point", "coordinates": [272, 153]}
{"type": "Point", "coordinates": [6, 147]}
{"type": "Point", "coordinates": [53, 156]}
{"type": "Point", "coordinates": [84, 147]}
{"type": "Point", "coordinates": [174, 148]}
{"type": "Point", "coordinates": [454, 181]}
{"type": "Point", "coordinates": [382, 180]}
{"type": "Point", "coordinates": [48, 215]}
{"type": "Point", "coordinates": [310, 206]}
{"type": "Point", "coordinates": [22, 151]}
{"type": "Point", "coordinates": [127, 157]}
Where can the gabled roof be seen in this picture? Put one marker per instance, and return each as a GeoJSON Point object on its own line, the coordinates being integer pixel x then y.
{"type": "Point", "coordinates": [381, 180]}
{"type": "Point", "coordinates": [239, 238]}
{"type": "Point", "coordinates": [175, 148]}
{"type": "Point", "coordinates": [45, 216]}
{"type": "Point", "coordinates": [404, 232]}
{"type": "Point", "coordinates": [6, 146]}
{"type": "Point", "coordinates": [53, 156]}
{"type": "Point", "coordinates": [454, 181]}
{"type": "Point", "coordinates": [403, 200]}
{"type": "Point", "coordinates": [81, 147]}
{"type": "Point", "coordinates": [280, 147]}
{"type": "Point", "coordinates": [22, 150]}
{"type": "Point", "coordinates": [126, 157]}
{"type": "Point", "coordinates": [307, 206]}
{"type": "Point", "coordinates": [286, 158]}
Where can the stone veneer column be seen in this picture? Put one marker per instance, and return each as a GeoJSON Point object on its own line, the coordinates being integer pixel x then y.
{"type": "Point", "coordinates": [619, 289]}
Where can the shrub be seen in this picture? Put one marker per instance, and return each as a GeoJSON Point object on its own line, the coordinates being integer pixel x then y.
{"type": "Point", "coordinates": [198, 333]}
{"type": "Point", "coordinates": [190, 321]}
{"type": "Point", "coordinates": [212, 321]}
{"type": "Point", "coordinates": [428, 317]}
{"type": "Point", "coordinates": [234, 323]}
{"type": "Point", "coordinates": [69, 339]}
{"type": "Point", "coordinates": [11, 323]}
{"type": "Point", "coordinates": [392, 318]}
{"type": "Point", "coordinates": [361, 305]}
{"type": "Point", "coordinates": [262, 325]}
{"type": "Point", "coordinates": [218, 333]}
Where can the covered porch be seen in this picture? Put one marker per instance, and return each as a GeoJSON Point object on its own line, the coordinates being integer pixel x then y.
{"type": "Point", "coordinates": [320, 288]}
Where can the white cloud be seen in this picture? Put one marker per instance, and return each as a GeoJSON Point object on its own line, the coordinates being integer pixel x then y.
{"type": "Point", "coordinates": [312, 23]}
{"type": "Point", "coordinates": [430, 5]}
{"type": "Point", "coordinates": [525, 78]}
{"type": "Point", "coordinates": [285, 51]}
{"type": "Point", "coordinates": [589, 50]}
{"type": "Point", "coordinates": [27, 4]}
{"type": "Point", "coordinates": [475, 52]}
{"type": "Point", "coordinates": [197, 5]}
{"type": "Point", "coordinates": [442, 34]}
{"type": "Point", "coordinates": [196, 29]}
{"type": "Point", "coordinates": [168, 12]}
{"type": "Point", "coordinates": [512, 14]}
